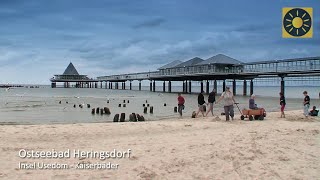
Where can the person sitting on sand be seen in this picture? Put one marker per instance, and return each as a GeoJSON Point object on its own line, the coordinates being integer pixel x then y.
{"type": "Point", "coordinates": [314, 111]}
{"type": "Point", "coordinates": [282, 104]}
{"type": "Point", "coordinates": [180, 104]}
{"type": "Point", "coordinates": [228, 103]}
{"type": "Point", "coordinates": [201, 104]}
{"type": "Point", "coordinates": [252, 104]}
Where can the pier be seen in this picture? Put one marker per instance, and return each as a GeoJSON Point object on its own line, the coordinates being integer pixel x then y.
{"type": "Point", "coordinates": [71, 76]}
{"type": "Point", "coordinates": [219, 68]}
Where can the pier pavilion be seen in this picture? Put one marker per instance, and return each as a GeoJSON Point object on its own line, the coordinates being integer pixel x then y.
{"type": "Point", "coordinates": [71, 75]}
{"type": "Point", "coordinates": [219, 68]}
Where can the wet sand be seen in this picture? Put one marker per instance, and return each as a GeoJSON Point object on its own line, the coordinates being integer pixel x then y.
{"type": "Point", "coordinates": [202, 148]}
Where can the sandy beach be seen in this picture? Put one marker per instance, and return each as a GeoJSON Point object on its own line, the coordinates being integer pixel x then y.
{"type": "Point", "coordinates": [202, 148]}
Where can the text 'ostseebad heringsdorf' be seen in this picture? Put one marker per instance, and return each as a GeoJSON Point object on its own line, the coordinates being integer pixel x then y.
{"type": "Point", "coordinates": [75, 153]}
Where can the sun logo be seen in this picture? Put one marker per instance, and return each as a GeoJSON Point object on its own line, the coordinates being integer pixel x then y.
{"type": "Point", "coordinates": [297, 22]}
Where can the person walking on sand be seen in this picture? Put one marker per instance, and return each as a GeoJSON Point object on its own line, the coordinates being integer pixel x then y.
{"type": "Point", "coordinates": [211, 100]}
{"type": "Point", "coordinates": [228, 103]}
{"type": "Point", "coordinates": [306, 103]}
{"type": "Point", "coordinates": [180, 104]}
{"type": "Point", "coordinates": [282, 104]}
{"type": "Point", "coordinates": [201, 104]}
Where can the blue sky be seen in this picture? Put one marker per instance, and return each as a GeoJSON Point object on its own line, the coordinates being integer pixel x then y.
{"type": "Point", "coordinates": [38, 38]}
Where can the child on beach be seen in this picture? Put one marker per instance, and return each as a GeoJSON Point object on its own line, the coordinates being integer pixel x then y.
{"type": "Point", "coordinates": [211, 100]}
{"type": "Point", "coordinates": [252, 104]}
{"type": "Point", "coordinates": [228, 103]}
{"type": "Point", "coordinates": [282, 104]}
{"type": "Point", "coordinates": [201, 104]}
{"type": "Point", "coordinates": [314, 111]}
{"type": "Point", "coordinates": [180, 104]}
{"type": "Point", "coordinates": [306, 103]}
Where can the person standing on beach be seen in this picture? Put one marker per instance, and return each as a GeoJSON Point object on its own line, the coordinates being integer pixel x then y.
{"type": "Point", "coordinates": [211, 100]}
{"type": "Point", "coordinates": [228, 103]}
{"type": "Point", "coordinates": [306, 103]}
{"type": "Point", "coordinates": [201, 104]}
{"type": "Point", "coordinates": [180, 104]}
{"type": "Point", "coordinates": [282, 104]}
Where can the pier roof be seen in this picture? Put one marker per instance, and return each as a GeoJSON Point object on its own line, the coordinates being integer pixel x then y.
{"type": "Point", "coordinates": [220, 59]}
{"type": "Point", "coordinates": [171, 65]}
{"type": "Point", "coordinates": [190, 62]}
{"type": "Point", "coordinates": [70, 70]}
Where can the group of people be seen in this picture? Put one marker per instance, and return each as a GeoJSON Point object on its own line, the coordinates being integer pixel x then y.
{"type": "Point", "coordinates": [227, 96]}
{"type": "Point", "coordinates": [229, 101]}
{"type": "Point", "coordinates": [306, 105]}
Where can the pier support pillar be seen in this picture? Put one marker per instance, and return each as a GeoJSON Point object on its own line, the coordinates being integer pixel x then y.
{"type": "Point", "coordinates": [251, 87]}
{"type": "Point", "coordinates": [130, 85]}
{"type": "Point", "coordinates": [244, 87]}
{"type": "Point", "coordinates": [89, 85]}
{"type": "Point", "coordinates": [207, 87]}
{"type": "Point", "coordinates": [101, 84]}
{"type": "Point", "coordinates": [124, 85]}
{"type": "Point", "coordinates": [201, 89]}
{"type": "Point", "coordinates": [164, 86]}
{"type": "Point", "coordinates": [154, 86]}
{"type": "Point", "coordinates": [183, 86]}
{"type": "Point", "coordinates": [234, 86]}
{"type": "Point", "coordinates": [53, 85]}
{"type": "Point", "coordinates": [215, 85]}
{"type": "Point", "coordinates": [150, 85]}
{"type": "Point", "coordinates": [190, 86]}
{"type": "Point", "coordinates": [224, 85]}
{"type": "Point", "coordinates": [96, 85]}
{"type": "Point", "coordinates": [186, 87]}
{"type": "Point", "coordinates": [117, 85]}
{"type": "Point", "coordinates": [110, 85]}
{"type": "Point", "coordinates": [139, 85]}
{"type": "Point", "coordinates": [106, 85]}
{"type": "Point", "coordinates": [282, 88]}
{"type": "Point", "coordinates": [169, 86]}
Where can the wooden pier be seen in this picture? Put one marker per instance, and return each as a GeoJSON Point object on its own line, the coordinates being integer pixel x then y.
{"type": "Point", "coordinates": [71, 76]}
{"type": "Point", "coordinates": [217, 68]}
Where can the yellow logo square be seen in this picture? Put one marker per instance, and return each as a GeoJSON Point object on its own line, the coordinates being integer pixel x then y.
{"type": "Point", "coordinates": [297, 22]}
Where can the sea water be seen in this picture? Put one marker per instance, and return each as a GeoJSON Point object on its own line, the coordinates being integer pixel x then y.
{"type": "Point", "coordinates": [41, 105]}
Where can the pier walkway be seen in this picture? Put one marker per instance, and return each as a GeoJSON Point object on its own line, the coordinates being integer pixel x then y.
{"type": "Point", "coordinates": [219, 67]}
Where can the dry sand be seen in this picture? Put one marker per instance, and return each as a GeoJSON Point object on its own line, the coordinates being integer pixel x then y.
{"type": "Point", "coordinates": [202, 148]}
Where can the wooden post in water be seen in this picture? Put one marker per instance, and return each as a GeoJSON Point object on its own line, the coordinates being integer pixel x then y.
{"type": "Point", "coordinates": [140, 85]}
{"type": "Point", "coordinates": [130, 85]}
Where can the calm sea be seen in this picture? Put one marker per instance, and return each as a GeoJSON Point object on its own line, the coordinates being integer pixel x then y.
{"type": "Point", "coordinates": [41, 105]}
